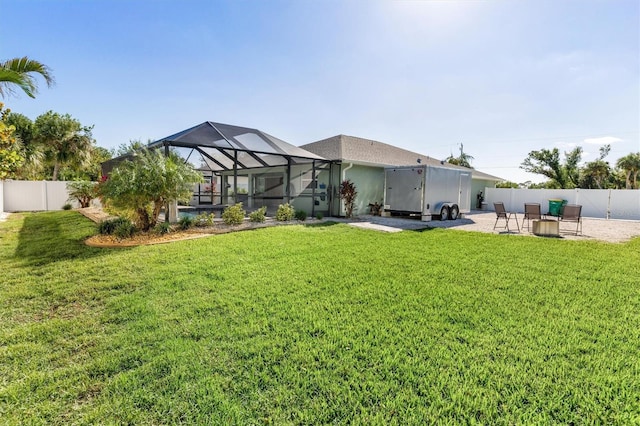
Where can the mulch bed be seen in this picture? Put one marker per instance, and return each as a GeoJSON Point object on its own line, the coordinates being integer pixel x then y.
{"type": "Point", "coordinates": [151, 237]}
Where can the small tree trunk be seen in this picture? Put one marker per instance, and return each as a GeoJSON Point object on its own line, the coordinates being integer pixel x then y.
{"type": "Point", "coordinates": [56, 169]}
{"type": "Point", "coordinates": [143, 219]}
{"type": "Point", "coordinates": [157, 206]}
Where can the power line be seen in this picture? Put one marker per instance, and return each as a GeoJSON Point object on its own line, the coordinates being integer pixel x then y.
{"type": "Point", "coordinates": [509, 140]}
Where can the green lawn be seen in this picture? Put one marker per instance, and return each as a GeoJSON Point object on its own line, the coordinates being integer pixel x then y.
{"type": "Point", "coordinates": [316, 325]}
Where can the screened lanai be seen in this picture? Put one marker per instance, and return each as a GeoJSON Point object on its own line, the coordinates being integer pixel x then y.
{"type": "Point", "coordinates": [242, 164]}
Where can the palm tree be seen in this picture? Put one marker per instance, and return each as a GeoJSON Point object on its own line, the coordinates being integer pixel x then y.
{"type": "Point", "coordinates": [463, 159]}
{"type": "Point", "coordinates": [595, 174]}
{"type": "Point", "coordinates": [66, 142]}
{"type": "Point", "coordinates": [630, 164]}
{"type": "Point", "coordinates": [598, 171]}
{"type": "Point", "coordinates": [20, 72]}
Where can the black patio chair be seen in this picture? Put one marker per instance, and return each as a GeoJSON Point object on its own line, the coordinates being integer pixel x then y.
{"type": "Point", "coordinates": [502, 213]}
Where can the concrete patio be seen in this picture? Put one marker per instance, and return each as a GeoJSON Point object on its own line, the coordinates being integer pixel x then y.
{"type": "Point", "coordinates": [611, 230]}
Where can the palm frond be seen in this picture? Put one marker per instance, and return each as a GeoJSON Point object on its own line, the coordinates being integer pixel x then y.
{"type": "Point", "coordinates": [9, 78]}
{"type": "Point", "coordinates": [25, 65]}
{"type": "Point", "coordinates": [19, 72]}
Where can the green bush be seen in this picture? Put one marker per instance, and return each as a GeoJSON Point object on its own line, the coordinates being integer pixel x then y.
{"type": "Point", "coordinates": [162, 228]}
{"type": "Point", "coordinates": [147, 182]}
{"type": "Point", "coordinates": [185, 222]}
{"type": "Point", "coordinates": [319, 216]}
{"type": "Point", "coordinates": [108, 227]}
{"type": "Point", "coordinates": [301, 215]}
{"type": "Point", "coordinates": [124, 229]}
{"type": "Point", "coordinates": [233, 215]}
{"type": "Point", "coordinates": [204, 220]}
{"type": "Point", "coordinates": [258, 215]}
{"type": "Point", "coordinates": [82, 191]}
{"type": "Point", "coordinates": [285, 212]}
{"type": "Point", "coordinates": [67, 207]}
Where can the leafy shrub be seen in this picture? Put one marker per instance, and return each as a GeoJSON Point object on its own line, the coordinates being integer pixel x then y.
{"type": "Point", "coordinates": [285, 212]}
{"type": "Point", "coordinates": [204, 220]}
{"type": "Point", "coordinates": [120, 212]}
{"type": "Point", "coordinates": [185, 222]}
{"type": "Point", "coordinates": [83, 191]}
{"type": "Point", "coordinates": [301, 215]}
{"type": "Point", "coordinates": [319, 216]}
{"type": "Point", "coordinates": [124, 230]}
{"type": "Point", "coordinates": [348, 195]}
{"type": "Point", "coordinates": [258, 215]}
{"type": "Point", "coordinates": [234, 215]}
{"type": "Point", "coordinates": [66, 207]}
{"type": "Point", "coordinates": [108, 227]}
{"type": "Point", "coordinates": [162, 228]}
{"type": "Point", "coordinates": [147, 182]}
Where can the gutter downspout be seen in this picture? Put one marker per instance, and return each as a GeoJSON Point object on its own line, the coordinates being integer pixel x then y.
{"type": "Point", "coordinates": [344, 172]}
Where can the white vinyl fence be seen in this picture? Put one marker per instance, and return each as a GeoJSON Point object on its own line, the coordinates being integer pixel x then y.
{"type": "Point", "coordinates": [598, 203]}
{"type": "Point", "coordinates": [22, 195]}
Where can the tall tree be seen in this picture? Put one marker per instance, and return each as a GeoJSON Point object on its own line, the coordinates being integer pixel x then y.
{"type": "Point", "coordinates": [131, 147]}
{"type": "Point", "coordinates": [33, 166]}
{"type": "Point", "coordinates": [630, 165]}
{"type": "Point", "coordinates": [65, 140]}
{"type": "Point", "coordinates": [596, 173]}
{"type": "Point", "coordinates": [87, 171]}
{"type": "Point", "coordinates": [21, 72]}
{"type": "Point", "coordinates": [547, 163]}
{"type": "Point", "coordinates": [10, 156]}
{"type": "Point", "coordinates": [463, 159]}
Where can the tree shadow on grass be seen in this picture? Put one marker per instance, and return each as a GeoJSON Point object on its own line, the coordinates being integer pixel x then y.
{"type": "Point", "coordinates": [323, 224]}
{"type": "Point", "coordinates": [54, 236]}
{"type": "Point", "coordinates": [427, 228]}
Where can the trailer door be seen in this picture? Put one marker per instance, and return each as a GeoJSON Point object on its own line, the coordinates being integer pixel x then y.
{"type": "Point", "coordinates": [404, 189]}
{"type": "Point", "coordinates": [464, 202]}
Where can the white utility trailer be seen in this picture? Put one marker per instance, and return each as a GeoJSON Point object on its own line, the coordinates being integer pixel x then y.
{"type": "Point", "coordinates": [428, 191]}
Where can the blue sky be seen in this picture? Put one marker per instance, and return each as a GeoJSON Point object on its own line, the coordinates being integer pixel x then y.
{"type": "Point", "coordinates": [501, 77]}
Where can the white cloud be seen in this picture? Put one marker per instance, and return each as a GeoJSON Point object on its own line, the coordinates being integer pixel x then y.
{"type": "Point", "coordinates": [602, 141]}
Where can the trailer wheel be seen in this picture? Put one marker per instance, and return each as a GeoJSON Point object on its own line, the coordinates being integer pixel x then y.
{"type": "Point", "coordinates": [444, 213]}
{"type": "Point", "coordinates": [454, 212]}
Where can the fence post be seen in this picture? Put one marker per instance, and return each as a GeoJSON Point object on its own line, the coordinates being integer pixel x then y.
{"type": "Point", "coordinates": [609, 205]}
{"type": "Point", "coordinates": [510, 199]}
{"type": "Point", "coordinates": [45, 203]}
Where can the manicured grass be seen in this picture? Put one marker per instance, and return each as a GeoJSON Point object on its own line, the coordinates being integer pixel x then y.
{"type": "Point", "coordinates": [316, 325]}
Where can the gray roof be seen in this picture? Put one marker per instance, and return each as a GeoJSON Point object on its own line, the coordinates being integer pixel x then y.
{"type": "Point", "coordinates": [366, 151]}
{"type": "Point", "coordinates": [370, 152]}
{"type": "Point", "coordinates": [485, 176]}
